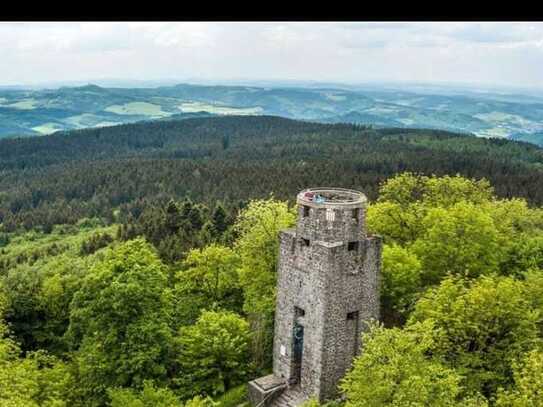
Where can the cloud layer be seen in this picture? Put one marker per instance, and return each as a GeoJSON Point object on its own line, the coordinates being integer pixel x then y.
{"type": "Point", "coordinates": [486, 53]}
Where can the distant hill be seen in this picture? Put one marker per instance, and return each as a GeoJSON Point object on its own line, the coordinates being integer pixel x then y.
{"type": "Point", "coordinates": [363, 118]}
{"type": "Point", "coordinates": [535, 138]}
{"type": "Point", "coordinates": [38, 112]}
{"type": "Point", "coordinates": [63, 177]}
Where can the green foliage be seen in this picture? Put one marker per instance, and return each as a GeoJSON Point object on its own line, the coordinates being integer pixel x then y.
{"type": "Point", "coordinates": [311, 403]}
{"type": "Point", "coordinates": [396, 224]}
{"type": "Point", "coordinates": [513, 217]}
{"type": "Point", "coordinates": [149, 396]}
{"type": "Point", "coordinates": [17, 377]}
{"type": "Point", "coordinates": [258, 226]}
{"type": "Point", "coordinates": [213, 354]}
{"type": "Point", "coordinates": [119, 322]}
{"type": "Point", "coordinates": [401, 280]}
{"type": "Point", "coordinates": [405, 200]}
{"type": "Point", "coordinates": [42, 273]}
{"type": "Point", "coordinates": [407, 189]}
{"type": "Point", "coordinates": [209, 281]}
{"type": "Point", "coordinates": [395, 370]}
{"type": "Point", "coordinates": [441, 227]}
{"type": "Point", "coordinates": [212, 271]}
{"type": "Point", "coordinates": [108, 171]}
{"type": "Point", "coordinates": [94, 243]}
{"type": "Point", "coordinates": [18, 381]}
{"type": "Point", "coordinates": [198, 401]}
{"type": "Point", "coordinates": [314, 403]}
{"type": "Point", "coordinates": [4, 239]}
{"type": "Point", "coordinates": [524, 253]}
{"type": "Point", "coordinates": [174, 228]}
{"type": "Point", "coordinates": [463, 267]}
{"type": "Point", "coordinates": [451, 225]}
{"type": "Point", "coordinates": [37, 380]}
{"type": "Point", "coordinates": [528, 388]}
{"type": "Point", "coordinates": [219, 219]}
{"type": "Point", "coordinates": [461, 240]}
{"type": "Point", "coordinates": [403, 189]}
{"type": "Point", "coordinates": [533, 291]}
{"type": "Point", "coordinates": [54, 379]}
{"type": "Point", "coordinates": [447, 191]}
{"type": "Point", "coordinates": [480, 328]}
{"type": "Point", "coordinates": [234, 397]}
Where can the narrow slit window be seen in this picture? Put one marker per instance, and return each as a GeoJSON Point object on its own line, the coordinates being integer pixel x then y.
{"type": "Point", "coordinates": [352, 316]}
{"type": "Point", "coordinates": [306, 211]}
{"type": "Point", "coordinates": [352, 246]}
{"type": "Point", "coordinates": [356, 212]}
{"type": "Point", "coordinates": [305, 242]}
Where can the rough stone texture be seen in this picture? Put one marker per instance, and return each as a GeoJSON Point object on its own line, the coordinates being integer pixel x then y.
{"type": "Point", "coordinates": [264, 390]}
{"type": "Point", "coordinates": [329, 268]}
{"type": "Point", "coordinates": [291, 397]}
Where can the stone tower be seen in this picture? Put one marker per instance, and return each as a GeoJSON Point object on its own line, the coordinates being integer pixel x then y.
{"type": "Point", "coordinates": [327, 287]}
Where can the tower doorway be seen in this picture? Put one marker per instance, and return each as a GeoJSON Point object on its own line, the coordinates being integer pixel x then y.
{"type": "Point", "coordinates": [297, 352]}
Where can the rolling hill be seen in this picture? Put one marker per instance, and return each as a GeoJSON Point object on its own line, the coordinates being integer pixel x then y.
{"type": "Point", "coordinates": [37, 112]}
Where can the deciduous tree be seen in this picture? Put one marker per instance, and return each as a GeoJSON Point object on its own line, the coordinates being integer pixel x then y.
{"type": "Point", "coordinates": [213, 354]}
{"type": "Point", "coordinates": [119, 322]}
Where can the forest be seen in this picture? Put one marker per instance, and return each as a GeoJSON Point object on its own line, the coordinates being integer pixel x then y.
{"type": "Point", "coordinates": [114, 172]}
{"type": "Point", "coordinates": [137, 263]}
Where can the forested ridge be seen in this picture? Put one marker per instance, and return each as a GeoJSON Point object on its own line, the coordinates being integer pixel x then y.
{"type": "Point", "coordinates": [64, 177]}
{"type": "Point", "coordinates": [137, 263]}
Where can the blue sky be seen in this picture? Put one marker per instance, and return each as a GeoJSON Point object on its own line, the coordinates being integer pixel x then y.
{"type": "Point", "coordinates": [509, 54]}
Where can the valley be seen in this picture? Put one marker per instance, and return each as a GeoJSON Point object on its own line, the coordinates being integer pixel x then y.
{"type": "Point", "coordinates": [501, 115]}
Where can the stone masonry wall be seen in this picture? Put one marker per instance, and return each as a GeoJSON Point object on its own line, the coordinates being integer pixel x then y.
{"type": "Point", "coordinates": [336, 284]}
{"type": "Point", "coordinates": [344, 227]}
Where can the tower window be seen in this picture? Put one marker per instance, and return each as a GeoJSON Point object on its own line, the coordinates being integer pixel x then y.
{"type": "Point", "coordinates": [352, 316]}
{"type": "Point", "coordinates": [305, 242]}
{"type": "Point", "coordinates": [298, 312]}
{"type": "Point", "coordinates": [352, 246]}
{"type": "Point", "coordinates": [305, 211]}
{"type": "Point", "coordinates": [356, 213]}
{"type": "Point", "coordinates": [330, 215]}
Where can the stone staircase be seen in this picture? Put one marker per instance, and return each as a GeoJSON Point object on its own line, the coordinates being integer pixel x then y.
{"type": "Point", "coordinates": [290, 397]}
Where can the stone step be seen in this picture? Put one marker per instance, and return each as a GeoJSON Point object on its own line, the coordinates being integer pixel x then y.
{"type": "Point", "coordinates": [289, 398]}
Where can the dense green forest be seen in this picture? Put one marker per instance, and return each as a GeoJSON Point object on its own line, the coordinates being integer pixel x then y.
{"type": "Point", "coordinates": [62, 178]}
{"type": "Point", "coordinates": [137, 263]}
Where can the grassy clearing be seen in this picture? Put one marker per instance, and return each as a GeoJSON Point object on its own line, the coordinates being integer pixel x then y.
{"type": "Point", "coordinates": [503, 118]}
{"type": "Point", "coordinates": [47, 128]}
{"type": "Point", "coordinates": [106, 124]}
{"type": "Point", "coordinates": [494, 132]}
{"type": "Point", "coordinates": [192, 107]}
{"type": "Point", "coordinates": [138, 108]}
{"type": "Point", "coordinates": [25, 104]}
{"type": "Point", "coordinates": [336, 97]}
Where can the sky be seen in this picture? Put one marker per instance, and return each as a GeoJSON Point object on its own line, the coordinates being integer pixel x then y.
{"type": "Point", "coordinates": [502, 54]}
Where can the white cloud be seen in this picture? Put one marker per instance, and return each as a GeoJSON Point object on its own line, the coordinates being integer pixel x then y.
{"type": "Point", "coordinates": [500, 53]}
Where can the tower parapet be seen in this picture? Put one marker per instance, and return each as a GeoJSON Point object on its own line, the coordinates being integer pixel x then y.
{"type": "Point", "coordinates": [331, 214]}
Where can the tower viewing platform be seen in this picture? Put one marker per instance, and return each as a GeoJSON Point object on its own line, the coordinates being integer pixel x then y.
{"type": "Point", "coordinates": [331, 197]}
{"type": "Point", "coordinates": [331, 215]}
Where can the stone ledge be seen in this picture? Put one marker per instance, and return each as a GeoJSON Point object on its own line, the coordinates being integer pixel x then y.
{"type": "Point", "coordinates": [264, 390]}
